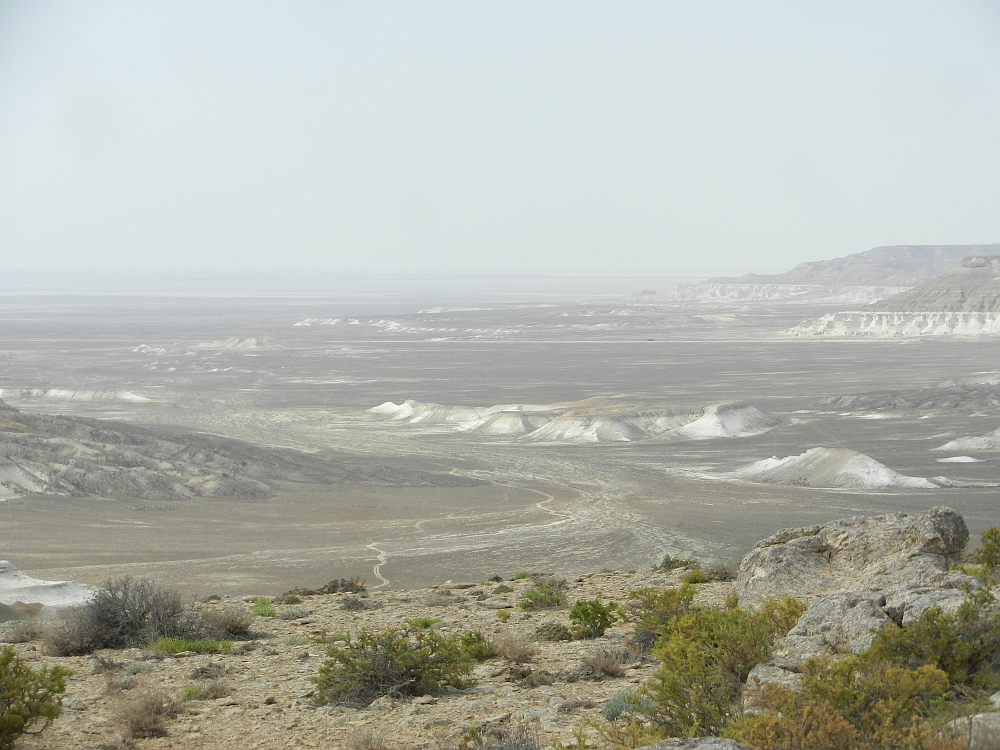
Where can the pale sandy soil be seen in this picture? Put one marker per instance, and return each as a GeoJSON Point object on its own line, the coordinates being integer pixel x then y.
{"type": "Point", "coordinates": [271, 704]}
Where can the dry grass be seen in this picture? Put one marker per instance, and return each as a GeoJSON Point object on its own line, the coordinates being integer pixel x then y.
{"type": "Point", "coordinates": [214, 689]}
{"type": "Point", "coordinates": [609, 660]}
{"type": "Point", "coordinates": [234, 620]}
{"type": "Point", "coordinates": [515, 651]}
{"type": "Point", "coordinates": [146, 715]}
{"type": "Point", "coordinates": [24, 631]}
{"type": "Point", "coordinates": [367, 738]}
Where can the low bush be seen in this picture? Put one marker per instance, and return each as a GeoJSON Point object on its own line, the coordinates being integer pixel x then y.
{"type": "Point", "coordinates": [592, 617]}
{"type": "Point", "coordinates": [234, 620]}
{"type": "Point", "coordinates": [654, 609]}
{"type": "Point", "coordinates": [627, 703]}
{"type": "Point", "coordinates": [553, 631]}
{"type": "Point", "coordinates": [24, 631]}
{"type": "Point", "coordinates": [514, 650]}
{"type": "Point", "coordinates": [695, 575]}
{"type": "Point", "coordinates": [296, 613]}
{"type": "Point", "coordinates": [355, 585]}
{"type": "Point", "coordinates": [670, 562]}
{"type": "Point", "coordinates": [608, 661]}
{"type": "Point", "coordinates": [210, 691]}
{"type": "Point", "coordinates": [424, 622]}
{"type": "Point", "coordinates": [146, 715]}
{"type": "Point", "coordinates": [705, 656]}
{"type": "Point", "coordinates": [180, 645]}
{"type": "Point", "coordinates": [541, 596]}
{"type": "Point", "coordinates": [262, 607]}
{"type": "Point", "coordinates": [353, 604]}
{"type": "Point", "coordinates": [388, 663]}
{"type": "Point", "coordinates": [138, 667]}
{"type": "Point", "coordinates": [123, 613]}
{"type": "Point", "coordinates": [295, 640]}
{"type": "Point", "coordinates": [477, 645]}
{"type": "Point", "coordinates": [29, 698]}
{"type": "Point", "coordinates": [859, 703]}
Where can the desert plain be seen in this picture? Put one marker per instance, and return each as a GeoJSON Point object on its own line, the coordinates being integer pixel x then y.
{"type": "Point", "coordinates": [653, 416]}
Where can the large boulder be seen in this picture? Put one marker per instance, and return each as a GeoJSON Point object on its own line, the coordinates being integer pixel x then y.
{"type": "Point", "coordinates": [857, 575]}
{"type": "Point", "coordinates": [860, 554]}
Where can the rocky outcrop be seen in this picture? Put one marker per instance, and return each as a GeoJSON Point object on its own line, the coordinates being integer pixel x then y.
{"type": "Point", "coordinates": [858, 574]}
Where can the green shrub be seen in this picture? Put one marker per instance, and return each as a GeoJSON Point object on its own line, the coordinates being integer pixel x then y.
{"type": "Point", "coordinates": [388, 663]}
{"type": "Point", "coordinates": [628, 702]}
{"type": "Point", "coordinates": [139, 667]}
{"type": "Point", "coordinates": [29, 699]}
{"type": "Point", "coordinates": [672, 563]}
{"type": "Point", "coordinates": [477, 645]}
{"type": "Point", "coordinates": [593, 617]}
{"type": "Point", "coordinates": [522, 575]}
{"type": "Point", "coordinates": [705, 657]}
{"type": "Point", "coordinates": [964, 645]}
{"type": "Point", "coordinates": [502, 589]}
{"type": "Point", "coordinates": [654, 609]}
{"type": "Point", "coordinates": [987, 553]}
{"type": "Point", "coordinates": [295, 640]}
{"type": "Point", "coordinates": [695, 575]}
{"type": "Point", "coordinates": [262, 607]}
{"type": "Point", "coordinates": [553, 631]}
{"type": "Point", "coordinates": [860, 703]}
{"type": "Point", "coordinates": [424, 622]}
{"type": "Point", "coordinates": [503, 615]}
{"type": "Point", "coordinates": [180, 645]}
{"type": "Point", "coordinates": [541, 596]}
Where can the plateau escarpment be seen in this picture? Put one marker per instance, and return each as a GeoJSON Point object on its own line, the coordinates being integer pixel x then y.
{"type": "Point", "coordinates": [963, 302]}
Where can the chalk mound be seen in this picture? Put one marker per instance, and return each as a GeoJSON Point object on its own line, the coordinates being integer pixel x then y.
{"type": "Point", "coordinates": [586, 426]}
{"type": "Point", "coordinates": [988, 442]}
{"type": "Point", "coordinates": [584, 422]}
{"type": "Point", "coordinates": [509, 423]}
{"type": "Point", "coordinates": [74, 394]}
{"type": "Point", "coordinates": [727, 421]}
{"type": "Point", "coordinates": [18, 588]}
{"type": "Point", "coordinates": [238, 343]}
{"type": "Point", "coordinates": [833, 468]}
{"type": "Point", "coordinates": [960, 460]}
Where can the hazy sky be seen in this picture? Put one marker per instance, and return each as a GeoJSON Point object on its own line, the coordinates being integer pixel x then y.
{"type": "Point", "coordinates": [493, 136]}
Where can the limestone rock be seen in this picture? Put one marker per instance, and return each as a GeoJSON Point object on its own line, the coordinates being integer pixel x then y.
{"type": "Point", "coordinates": [980, 731]}
{"type": "Point", "coordinates": [854, 554]}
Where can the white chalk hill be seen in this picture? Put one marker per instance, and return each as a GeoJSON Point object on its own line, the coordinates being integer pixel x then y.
{"type": "Point", "coordinates": [832, 468]}
{"type": "Point", "coordinates": [988, 442]}
{"type": "Point", "coordinates": [16, 588]}
{"type": "Point", "coordinates": [584, 422]}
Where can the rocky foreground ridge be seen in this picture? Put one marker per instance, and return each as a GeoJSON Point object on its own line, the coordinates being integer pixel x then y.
{"type": "Point", "coordinates": [856, 576]}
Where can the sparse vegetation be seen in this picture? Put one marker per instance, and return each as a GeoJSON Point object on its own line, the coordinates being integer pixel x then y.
{"type": "Point", "coordinates": [608, 660]}
{"type": "Point", "coordinates": [124, 612]}
{"type": "Point", "coordinates": [670, 562]}
{"type": "Point", "coordinates": [553, 631]}
{"type": "Point", "coordinates": [352, 604]}
{"type": "Point", "coordinates": [477, 645]}
{"type": "Point", "coordinates": [262, 607]}
{"type": "Point", "coordinates": [29, 698]}
{"type": "Point", "coordinates": [545, 593]}
{"type": "Point", "coordinates": [181, 645]}
{"type": "Point", "coordinates": [515, 651]}
{"type": "Point", "coordinates": [233, 620]}
{"type": "Point", "coordinates": [138, 667]}
{"type": "Point", "coordinates": [146, 715]}
{"type": "Point", "coordinates": [424, 622]}
{"type": "Point", "coordinates": [388, 663]}
{"type": "Point", "coordinates": [354, 585]}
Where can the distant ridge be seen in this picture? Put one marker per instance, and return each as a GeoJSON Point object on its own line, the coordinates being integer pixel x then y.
{"type": "Point", "coordinates": [893, 265]}
{"type": "Point", "coordinates": [974, 286]}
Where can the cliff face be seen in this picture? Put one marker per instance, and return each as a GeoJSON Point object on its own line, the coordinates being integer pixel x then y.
{"type": "Point", "coordinates": [962, 302]}
{"type": "Point", "coordinates": [895, 265]}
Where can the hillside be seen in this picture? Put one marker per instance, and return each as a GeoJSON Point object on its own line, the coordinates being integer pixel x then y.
{"type": "Point", "coordinates": [974, 287]}
{"type": "Point", "coordinates": [56, 455]}
{"type": "Point", "coordinates": [893, 265]}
